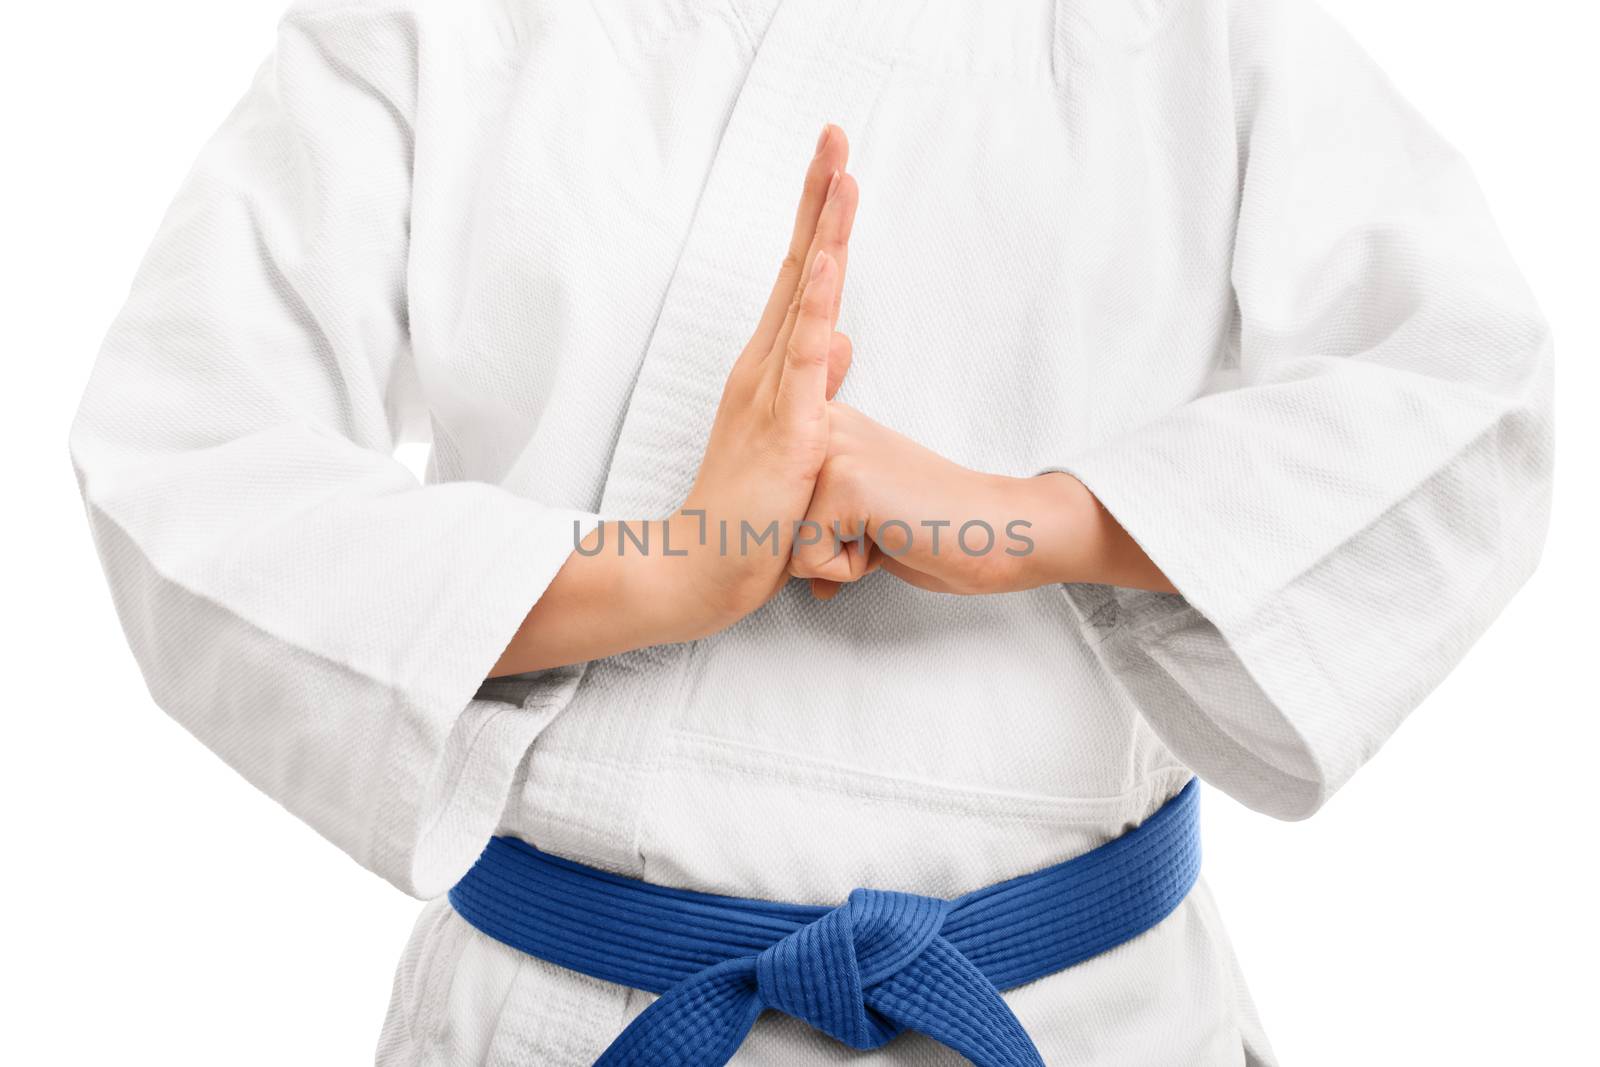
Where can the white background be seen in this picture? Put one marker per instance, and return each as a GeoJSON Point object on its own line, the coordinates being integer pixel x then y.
{"type": "Point", "coordinates": [1440, 910]}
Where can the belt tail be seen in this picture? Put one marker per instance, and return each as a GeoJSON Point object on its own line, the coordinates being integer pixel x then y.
{"type": "Point", "coordinates": [943, 995]}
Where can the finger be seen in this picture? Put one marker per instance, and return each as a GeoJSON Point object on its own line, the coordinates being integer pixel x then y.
{"type": "Point", "coordinates": [826, 587]}
{"type": "Point", "coordinates": [833, 152]}
{"type": "Point", "coordinates": [802, 389]}
{"type": "Point", "coordinates": [835, 568]}
{"type": "Point", "coordinates": [850, 565]}
{"type": "Point", "coordinates": [840, 352]}
{"type": "Point", "coordinates": [832, 236]}
{"type": "Point", "coordinates": [830, 558]}
{"type": "Point", "coordinates": [822, 589]}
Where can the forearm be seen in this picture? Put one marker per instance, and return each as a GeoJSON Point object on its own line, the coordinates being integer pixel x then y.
{"type": "Point", "coordinates": [610, 597]}
{"type": "Point", "coordinates": [1077, 540]}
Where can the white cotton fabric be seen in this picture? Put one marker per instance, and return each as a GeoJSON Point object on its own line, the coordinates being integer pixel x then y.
{"type": "Point", "coordinates": [1196, 252]}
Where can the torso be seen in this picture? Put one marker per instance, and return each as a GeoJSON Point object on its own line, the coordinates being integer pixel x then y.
{"type": "Point", "coordinates": [1004, 312]}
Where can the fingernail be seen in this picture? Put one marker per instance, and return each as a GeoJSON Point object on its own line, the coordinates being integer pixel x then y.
{"type": "Point", "coordinates": [822, 138]}
{"type": "Point", "coordinates": [821, 266]}
{"type": "Point", "coordinates": [833, 183]}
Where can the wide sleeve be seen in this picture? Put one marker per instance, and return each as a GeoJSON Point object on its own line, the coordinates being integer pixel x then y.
{"type": "Point", "coordinates": [1355, 501]}
{"type": "Point", "coordinates": [292, 594]}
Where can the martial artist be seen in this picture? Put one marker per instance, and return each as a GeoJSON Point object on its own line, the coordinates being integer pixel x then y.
{"type": "Point", "coordinates": [1193, 344]}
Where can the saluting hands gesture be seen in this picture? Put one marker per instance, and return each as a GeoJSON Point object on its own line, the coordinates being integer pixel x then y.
{"type": "Point", "coordinates": [793, 483]}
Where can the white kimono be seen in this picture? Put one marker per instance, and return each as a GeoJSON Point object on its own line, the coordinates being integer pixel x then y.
{"type": "Point", "coordinates": [1223, 275]}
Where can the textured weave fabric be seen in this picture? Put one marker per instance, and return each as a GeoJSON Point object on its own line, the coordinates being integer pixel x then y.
{"type": "Point", "coordinates": [1196, 252]}
{"type": "Point", "coordinates": [863, 972]}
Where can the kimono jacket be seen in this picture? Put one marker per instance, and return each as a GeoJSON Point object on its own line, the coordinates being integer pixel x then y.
{"type": "Point", "coordinates": [1197, 253]}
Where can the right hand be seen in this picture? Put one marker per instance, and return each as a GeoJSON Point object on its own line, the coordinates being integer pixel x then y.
{"type": "Point", "coordinates": [770, 435]}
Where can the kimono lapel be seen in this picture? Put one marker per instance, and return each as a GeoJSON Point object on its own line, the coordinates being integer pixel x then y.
{"type": "Point", "coordinates": [819, 61]}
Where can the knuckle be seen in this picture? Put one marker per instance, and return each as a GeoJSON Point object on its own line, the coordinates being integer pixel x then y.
{"type": "Point", "coordinates": [790, 267]}
{"type": "Point", "coordinates": [813, 301]}
{"type": "Point", "coordinates": [800, 353]}
{"type": "Point", "coordinates": [837, 569]}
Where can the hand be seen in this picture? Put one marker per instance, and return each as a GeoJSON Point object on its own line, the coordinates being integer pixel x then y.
{"type": "Point", "coordinates": [766, 446]}
{"type": "Point", "coordinates": [947, 528]}
{"type": "Point", "coordinates": [770, 434]}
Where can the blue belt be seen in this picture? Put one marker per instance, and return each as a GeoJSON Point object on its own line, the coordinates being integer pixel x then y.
{"type": "Point", "coordinates": [865, 971]}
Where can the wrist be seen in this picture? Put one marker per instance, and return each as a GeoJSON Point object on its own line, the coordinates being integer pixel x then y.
{"type": "Point", "coordinates": [1083, 542]}
{"type": "Point", "coordinates": [661, 584]}
{"type": "Point", "coordinates": [1064, 518]}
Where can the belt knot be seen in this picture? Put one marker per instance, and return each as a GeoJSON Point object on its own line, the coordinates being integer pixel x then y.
{"type": "Point", "coordinates": [824, 973]}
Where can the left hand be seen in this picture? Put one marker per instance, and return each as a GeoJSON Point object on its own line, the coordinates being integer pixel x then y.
{"type": "Point", "coordinates": [947, 528]}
